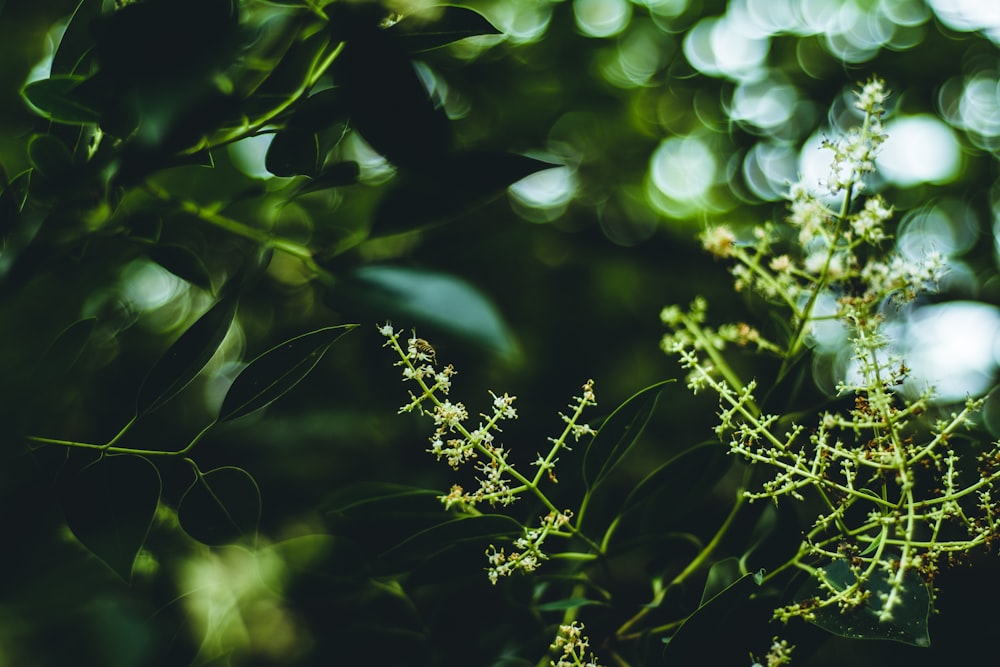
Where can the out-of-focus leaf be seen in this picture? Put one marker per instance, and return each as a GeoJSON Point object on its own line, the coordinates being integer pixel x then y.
{"type": "Point", "coordinates": [182, 362]}
{"type": "Point", "coordinates": [109, 506]}
{"type": "Point", "coordinates": [293, 153]}
{"type": "Point", "coordinates": [49, 156]}
{"type": "Point", "coordinates": [54, 99]}
{"type": "Point", "coordinates": [335, 175]}
{"type": "Point", "coordinates": [290, 77]}
{"type": "Point", "coordinates": [221, 506]}
{"type": "Point", "coordinates": [167, 41]}
{"type": "Point", "coordinates": [77, 39]}
{"type": "Point", "coordinates": [567, 603]}
{"type": "Point", "coordinates": [618, 434]}
{"type": "Point", "coordinates": [696, 642]}
{"type": "Point", "coordinates": [320, 110]}
{"type": "Point", "coordinates": [66, 348]}
{"type": "Point", "coordinates": [907, 623]}
{"type": "Point", "coordinates": [433, 27]}
{"type": "Point", "coordinates": [436, 193]}
{"type": "Point", "coordinates": [274, 373]}
{"type": "Point", "coordinates": [388, 103]}
{"type": "Point", "coordinates": [427, 299]}
{"type": "Point", "coordinates": [12, 202]}
{"type": "Point", "coordinates": [181, 262]}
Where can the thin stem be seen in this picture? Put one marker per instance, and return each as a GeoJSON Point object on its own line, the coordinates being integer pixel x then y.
{"type": "Point", "coordinates": [624, 631]}
{"type": "Point", "coordinates": [237, 228]}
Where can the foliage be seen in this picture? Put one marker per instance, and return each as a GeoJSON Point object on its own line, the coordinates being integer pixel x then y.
{"type": "Point", "coordinates": [200, 198]}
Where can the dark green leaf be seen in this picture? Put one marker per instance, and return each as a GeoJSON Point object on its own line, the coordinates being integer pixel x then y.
{"type": "Point", "coordinates": [12, 202]}
{"type": "Point", "coordinates": [721, 575]}
{"type": "Point", "coordinates": [49, 156]}
{"type": "Point", "coordinates": [66, 348]}
{"type": "Point", "coordinates": [335, 175]}
{"type": "Point", "coordinates": [665, 496]}
{"type": "Point", "coordinates": [274, 373]}
{"type": "Point", "coordinates": [181, 262]}
{"type": "Point", "coordinates": [434, 27]}
{"type": "Point", "coordinates": [77, 40]}
{"type": "Point", "coordinates": [677, 485]}
{"type": "Point", "coordinates": [697, 641]}
{"type": "Point", "coordinates": [567, 603]}
{"type": "Point", "coordinates": [109, 506]}
{"type": "Point", "coordinates": [290, 77]}
{"type": "Point", "coordinates": [434, 193]}
{"type": "Point", "coordinates": [174, 42]}
{"type": "Point", "coordinates": [320, 110]}
{"type": "Point", "coordinates": [908, 621]}
{"type": "Point", "coordinates": [388, 103]}
{"type": "Point", "coordinates": [426, 299]}
{"type": "Point", "coordinates": [367, 499]}
{"type": "Point", "coordinates": [618, 434]}
{"type": "Point", "coordinates": [182, 362]}
{"type": "Point", "coordinates": [54, 99]}
{"type": "Point", "coordinates": [221, 506]}
{"type": "Point", "coordinates": [431, 542]}
{"type": "Point", "coordinates": [293, 153]}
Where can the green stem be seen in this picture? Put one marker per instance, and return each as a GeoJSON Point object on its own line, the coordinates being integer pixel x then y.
{"type": "Point", "coordinates": [623, 632]}
{"type": "Point", "coordinates": [263, 238]}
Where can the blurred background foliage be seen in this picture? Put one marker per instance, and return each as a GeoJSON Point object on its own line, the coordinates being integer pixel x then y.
{"type": "Point", "coordinates": [662, 114]}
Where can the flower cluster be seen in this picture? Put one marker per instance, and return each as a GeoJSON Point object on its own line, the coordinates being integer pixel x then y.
{"type": "Point", "coordinates": [572, 645]}
{"type": "Point", "coordinates": [896, 498]}
{"type": "Point", "coordinates": [498, 480]}
{"type": "Point", "coordinates": [779, 654]}
{"type": "Point", "coordinates": [529, 548]}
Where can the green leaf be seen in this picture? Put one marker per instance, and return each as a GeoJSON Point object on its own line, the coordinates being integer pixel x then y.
{"type": "Point", "coordinates": [77, 40]}
{"type": "Point", "coordinates": [372, 499]}
{"type": "Point", "coordinates": [320, 110]}
{"type": "Point", "coordinates": [54, 99]}
{"type": "Point", "coordinates": [724, 614]}
{"type": "Point", "coordinates": [181, 262]}
{"type": "Point", "coordinates": [49, 156]}
{"type": "Point", "coordinates": [567, 603]}
{"type": "Point", "coordinates": [182, 362]}
{"type": "Point", "coordinates": [908, 622]}
{"type": "Point", "coordinates": [290, 76]}
{"type": "Point", "coordinates": [437, 192]}
{"type": "Point", "coordinates": [274, 373]}
{"type": "Point", "coordinates": [618, 434]}
{"type": "Point", "coordinates": [293, 153]}
{"type": "Point", "coordinates": [109, 506]}
{"type": "Point", "coordinates": [721, 575]}
{"type": "Point", "coordinates": [434, 27]}
{"type": "Point", "coordinates": [68, 345]}
{"type": "Point", "coordinates": [677, 485]}
{"type": "Point", "coordinates": [426, 299]}
{"type": "Point", "coordinates": [430, 543]}
{"type": "Point", "coordinates": [335, 175]}
{"type": "Point", "coordinates": [388, 103]}
{"type": "Point", "coordinates": [221, 506]}
{"type": "Point", "coordinates": [178, 43]}
{"type": "Point", "coordinates": [666, 495]}
{"type": "Point", "coordinates": [12, 201]}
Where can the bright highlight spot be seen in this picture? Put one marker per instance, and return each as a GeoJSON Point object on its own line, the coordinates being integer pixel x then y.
{"type": "Point", "coordinates": [683, 168]}
{"type": "Point", "coordinates": [952, 347]}
{"type": "Point", "coordinates": [602, 18]}
{"type": "Point", "coordinates": [920, 149]}
{"type": "Point", "coordinates": [723, 47]}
